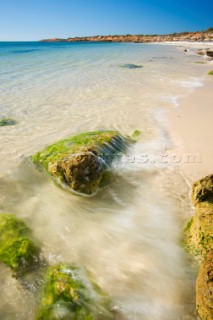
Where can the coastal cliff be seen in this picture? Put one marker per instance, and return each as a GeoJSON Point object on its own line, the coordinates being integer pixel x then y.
{"type": "Point", "coordinates": [183, 36]}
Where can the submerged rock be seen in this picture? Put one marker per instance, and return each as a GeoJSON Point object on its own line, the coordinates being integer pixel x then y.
{"type": "Point", "coordinates": [204, 289]}
{"type": "Point", "coordinates": [131, 66]}
{"type": "Point", "coordinates": [67, 294]}
{"type": "Point", "coordinates": [17, 247]}
{"type": "Point", "coordinates": [199, 230]}
{"type": "Point", "coordinates": [81, 162]}
{"type": "Point", "coordinates": [201, 52]}
{"type": "Point", "coordinates": [7, 122]}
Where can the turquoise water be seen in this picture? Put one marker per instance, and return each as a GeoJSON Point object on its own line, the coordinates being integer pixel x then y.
{"type": "Point", "coordinates": [129, 235]}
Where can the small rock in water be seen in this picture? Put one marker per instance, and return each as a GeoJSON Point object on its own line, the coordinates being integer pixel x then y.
{"type": "Point", "coordinates": [201, 52]}
{"type": "Point", "coordinates": [136, 135]}
{"type": "Point", "coordinates": [131, 66]}
{"type": "Point", "coordinates": [7, 122]}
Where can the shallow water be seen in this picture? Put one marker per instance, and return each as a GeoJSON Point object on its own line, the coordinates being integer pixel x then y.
{"type": "Point", "coordinates": [129, 235]}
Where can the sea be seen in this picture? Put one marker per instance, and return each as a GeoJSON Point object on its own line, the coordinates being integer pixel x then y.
{"type": "Point", "coordinates": [129, 237]}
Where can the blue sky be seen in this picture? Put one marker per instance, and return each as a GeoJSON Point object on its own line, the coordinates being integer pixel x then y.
{"type": "Point", "coordinates": [39, 19]}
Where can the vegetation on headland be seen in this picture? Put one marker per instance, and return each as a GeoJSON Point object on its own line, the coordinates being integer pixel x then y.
{"type": "Point", "coordinates": [206, 35]}
{"type": "Point", "coordinates": [210, 73]}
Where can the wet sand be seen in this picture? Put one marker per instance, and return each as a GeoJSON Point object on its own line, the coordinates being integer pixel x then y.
{"type": "Point", "coordinates": [191, 129]}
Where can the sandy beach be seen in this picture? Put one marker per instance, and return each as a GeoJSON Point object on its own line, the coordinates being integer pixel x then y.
{"type": "Point", "coordinates": [192, 130]}
{"type": "Point", "coordinates": [190, 123]}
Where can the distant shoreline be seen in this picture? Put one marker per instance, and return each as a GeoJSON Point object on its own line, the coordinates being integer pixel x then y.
{"type": "Point", "coordinates": [201, 36]}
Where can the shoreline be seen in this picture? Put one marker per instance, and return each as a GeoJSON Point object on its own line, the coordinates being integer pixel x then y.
{"type": "Point", "coordinates": [189, 120]}
{"type": "Point", "coordinates": [190, 128]}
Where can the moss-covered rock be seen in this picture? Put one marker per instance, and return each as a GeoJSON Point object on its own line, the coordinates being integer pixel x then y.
{"type": "Point", "coordinates": [199, 241]}
{"type": "Point", "coordinates": [81, 162]}
{"type": "Point", "coordinates": [210, 73]}
{"type": "Point", "coordinates": [67, 294]}
{"type": "Point", "coordinates": [204, 289]}
{"type": "Point", "coordinates": [7, 122]}
{"type": "Point", "coordinates": [17, 247]}
{"type": "Point", "coordinates": [136, 135]}
{"type": "Point", "coordinates": [203, 190]}
{"type": "Point", "coordinates": [199, 230]}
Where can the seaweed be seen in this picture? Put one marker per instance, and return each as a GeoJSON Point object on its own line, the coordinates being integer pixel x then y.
{"type": "Point", "coordinates": [7, 122]}
{"type": "Point", "coordinates": [66, 294]}
{"type": "Point", "coordinates": [82, 162]}
{"type": "Point", "coordinates": [18, 250]}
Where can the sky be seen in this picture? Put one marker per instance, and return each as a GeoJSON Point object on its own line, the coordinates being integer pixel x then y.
{"type": "Point", "coordinates": [29, 20]}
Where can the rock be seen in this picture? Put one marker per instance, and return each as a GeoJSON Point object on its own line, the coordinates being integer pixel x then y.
{"type": "Point", "coordinates": [201, 52]}
{"type": "Point", "coordinates": [18, 250]}
{"type": "Point", "coordinates": [131, 66]}
{"type": "Point", "coordinates": [81, 163]}
{"type": "Point", "coordinates": [210, 73]}
{"type": "Point", "coordinates": [67, 294]}
{"type": "Point", "coordinates": [204, 289]}
{"type": "Point", "coordinates": [209, 53]}
{"type": "Point", "coordinates": [185, 50]}
{"type": "Point", "coordinates": [199, 230]}
{"type": "Point", "coordinates": [7, 122]}
{"type": "Point", "coordinates": [203, 190]}
{"type": "Point", "coordinates": [199, 241]}
{"type": "Point", "coordinates": [136, 135]}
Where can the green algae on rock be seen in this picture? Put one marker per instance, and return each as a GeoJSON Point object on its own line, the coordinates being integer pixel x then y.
{"type": "Point", "coordinates": [199, 242]}
{"type": "Point", "coordinates": [210, 73]}
{"type": "Point", "coordinates": [199, 230]}
{"type": "Point", "coordinates": [203, 190]}
{"type": "Point", "coordinates": [67, 294]}
{"type": "Point", "coordinates": [17, 248]}
{"type": "Point", "coordinates": [136, 135]}
{"type": "Point", "coordinates": [82, 162]}
{"type": "Point", "coordinates": [7, 122]}
{"type": "Point", "coordinates": [204, 289]}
